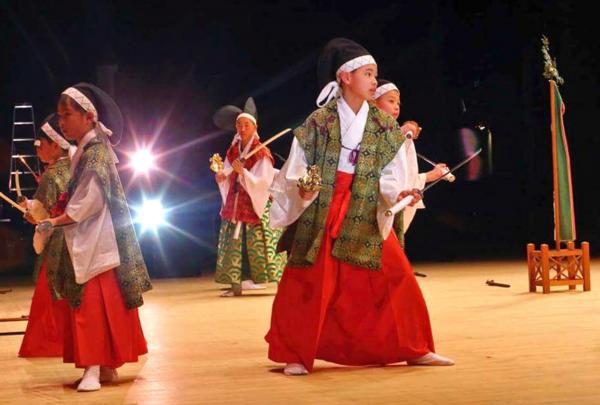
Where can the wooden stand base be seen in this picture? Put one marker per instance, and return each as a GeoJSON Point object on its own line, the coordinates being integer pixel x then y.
{"type": "Point", "coordinates": [559, 267]}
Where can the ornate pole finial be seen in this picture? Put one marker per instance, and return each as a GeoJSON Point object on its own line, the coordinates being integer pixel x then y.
{"type": "Point", "coordinates": [550, 69]}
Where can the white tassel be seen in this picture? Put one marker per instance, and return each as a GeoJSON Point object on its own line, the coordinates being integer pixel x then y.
{"type": "Point", "coordinates": [102, 129]}
{"type": "Point", "coordinates": [329, 92]}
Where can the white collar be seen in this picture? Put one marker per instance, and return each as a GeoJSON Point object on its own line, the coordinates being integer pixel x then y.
{"type": "Point", "coordinates": [351, 122]}
{"type": "Point", "coordinates": [352, 128]}
{"type": "Point", "coordinates": [246, 150]}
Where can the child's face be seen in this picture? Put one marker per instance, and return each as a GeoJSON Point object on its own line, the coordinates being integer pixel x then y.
{"type": "Point", "coordinates": [390, 103]}
{"type": "Point", "coordinates": [48, 151]}
{"type": "Point", "coordinates": [362, 81]}
{"type": "Point", "coordinates": [73, 123]}
{"type": "Point", "coordinates": [246, 128]}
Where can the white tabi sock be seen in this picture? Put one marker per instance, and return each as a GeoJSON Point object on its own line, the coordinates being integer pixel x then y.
{"type": "Point", "coordinates": [431, 359]}
{"type": "Point", "coordinates": [90, 380]}
{"type": "Point", "coordinates": [295, 369]}
{"type": "Point", "coordinates": [250, 285]}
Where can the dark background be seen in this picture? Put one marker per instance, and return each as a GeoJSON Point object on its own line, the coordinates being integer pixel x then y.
{"type": "Point", "coordinates": [457, 63]}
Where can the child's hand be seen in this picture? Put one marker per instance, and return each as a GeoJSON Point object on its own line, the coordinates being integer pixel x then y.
{"type": "Point", "coordinates": [411, 126]}
{"type": "Point", "coordinates": [307, 195]}
{"type": "Point", "coordinates": [437, 172]}
{"type": "Point", "coordinates": [238, 167]}
{"type": "Point", "coordinates": [29, 218]}
{"type": "Point", "coordinates": [220, 177]}
{"type": "Point", "coordinates": [22, 201]}
{"type": "Point", "coordinates": [415, 193]}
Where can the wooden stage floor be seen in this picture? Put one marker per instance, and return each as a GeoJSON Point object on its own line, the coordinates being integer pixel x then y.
{"type": "Point", "coordinates": [510, 346]}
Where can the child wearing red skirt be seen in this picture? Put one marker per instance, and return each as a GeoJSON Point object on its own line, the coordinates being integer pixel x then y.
{"type": "Point", "coordinates": [104, 288]}
{"type": "Point", "coordinates": [348, 294]}
{"type": "Point", "coordinates": [44, 334]}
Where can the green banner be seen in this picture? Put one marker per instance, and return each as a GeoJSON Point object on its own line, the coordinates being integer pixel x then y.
{"type": "Point", "coordinates": [563, 194]}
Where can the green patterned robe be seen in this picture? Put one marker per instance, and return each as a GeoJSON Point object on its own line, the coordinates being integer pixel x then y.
{"type": "Point", "coordinates": [131, 273]}
{"type": "Point", "coordinates": [359, 242]}
{"type": "Point", "coordinates": [252, 256]}
{"type": "Point", "coordinates": [52, 184]}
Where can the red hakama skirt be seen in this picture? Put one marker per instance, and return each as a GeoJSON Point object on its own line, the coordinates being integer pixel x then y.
{"type": "Point", "coordinates": [347, 314]}
{"type": "Point", "coordinates": [102, 331]}
{"type": "Point", "coordinates": [44, 333]}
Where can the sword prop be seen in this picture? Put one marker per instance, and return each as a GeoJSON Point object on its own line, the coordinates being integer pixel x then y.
{"type": "Point", "coordinates": [450, 177]}
{"type": "Point", "coordinates": [238, 225]}
{"type": "Point", "coordinates": [33, 173]}
{"type": "Point", "coordinates": [216, 163]}
{"type": "Point", "coordinates": [265, 143]}
{"type": "Point", "coordinates": [410, 135]}
{"type": "Point", "coordinates": [11, 202]}
{"type": "Point", "coordinates": [18, 183]}
{"type": "Point", "coordinates": [238, 229]}
{"type": "Point", "coordinates": [492, 283]}
{"type": "Point", "coordinates": [279, 157]}
{"type": "Point", "coordinates": [399, 206]}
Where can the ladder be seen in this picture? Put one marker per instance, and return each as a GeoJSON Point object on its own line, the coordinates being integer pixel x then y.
{"type": "Point", "coordinates": [23, 158]}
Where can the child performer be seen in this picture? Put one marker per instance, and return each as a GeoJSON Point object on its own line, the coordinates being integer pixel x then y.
{"type": "Point", "coordinates": [247, 245]}
{"type": "Point", "coordinates": [104, 290]}
{"type": "Point", "coordinates": [44, 333]}
{"type": "Point", "coordinates": [387, 98]}
{"type": "Point", "coordinates": [347, 295]}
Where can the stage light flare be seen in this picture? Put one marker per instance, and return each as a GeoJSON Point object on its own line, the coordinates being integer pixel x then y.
{"type": "Point", "coordinates": [151, 215]}
{"type": "Point", "coordinates": [142, 161]}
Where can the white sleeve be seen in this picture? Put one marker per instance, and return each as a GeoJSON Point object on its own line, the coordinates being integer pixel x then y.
{"type": "Point", "coordinates": [225, 184]}
{"type": "Point", "coordinates": [414, 179]}
{"type": "Point", "coordinates": [87, 200]}
{"type": "Point", "coordinates": [422, 179]}
{"type": "Point", "coordinates": [287, 203]}
{"type": "Point", "coordinates": [38, 212]}
{"type": "Point", "coordinates": [394, 177]}
{"type": "Point", "coordinates": [393, 180]}
{"type": "Point", "coordinates": [256, 182]}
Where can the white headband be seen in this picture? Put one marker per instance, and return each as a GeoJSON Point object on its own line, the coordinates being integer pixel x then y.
{"type": "Point", "coordinates": [246, 115]}
{"type": "Point", "coordinates": [356, 63]}
{"type": "Point", "coordinates": [381, 90]}
{"type": "Point", "coordinates": [332, 89]}
{"type": "Point", "coordinates": [87, 105]}
{"type": "Point", "coordinates": [82, 100]}
{"type": "Point", "coordinates": [55, 136]}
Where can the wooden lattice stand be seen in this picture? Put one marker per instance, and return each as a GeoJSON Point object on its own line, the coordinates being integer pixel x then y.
{"type": "Point", "coordinates": [559, 267]}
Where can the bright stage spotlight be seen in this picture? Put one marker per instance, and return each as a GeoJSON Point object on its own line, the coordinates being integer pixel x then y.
{"type": "Point", "coordinates": [151, 215]}
{"type": "Point", "coordinates": [142, 161]}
